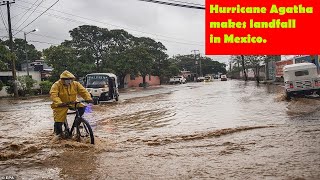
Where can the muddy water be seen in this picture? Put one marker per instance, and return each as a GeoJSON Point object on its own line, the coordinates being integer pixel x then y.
{"type": "Point", "coordinates": [216, 130]}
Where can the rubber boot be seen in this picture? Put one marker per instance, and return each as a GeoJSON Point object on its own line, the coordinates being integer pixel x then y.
{"type": "Point", "coordinates": [58, 128]}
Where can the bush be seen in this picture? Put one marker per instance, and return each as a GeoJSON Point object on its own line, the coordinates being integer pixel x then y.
{"type": "Point", "coordinates": [24, 85]}
{"type": "Point", "coordinates": [1, 85]}
{"type": "Point", "coordinates": [144, 85]}
{"type": "Point", "coordinates": [9, 87]}
{"type": "Point", "coordinates": [45, 87]}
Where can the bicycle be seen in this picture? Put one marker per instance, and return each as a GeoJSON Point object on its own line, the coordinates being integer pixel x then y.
{"type": "Point", "coordinates": [83, 130]}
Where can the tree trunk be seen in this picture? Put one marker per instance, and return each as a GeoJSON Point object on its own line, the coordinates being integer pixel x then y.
{"type": "Point", "coordinates": [244, 69]}
{"type": "Point", "coordinates": [267, 69]}
{"type": "Point", "coordinates": [144, 80]}
{"type": "Point", "coordinates": [121, 85]}
{"type": "Point", "coordinates": [257, 74]}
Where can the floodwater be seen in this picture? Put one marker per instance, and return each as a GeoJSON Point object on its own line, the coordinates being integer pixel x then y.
{"type": "Point", "coordinates": [214, 130]}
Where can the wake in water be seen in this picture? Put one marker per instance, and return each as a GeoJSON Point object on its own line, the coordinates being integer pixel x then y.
{"type": "Point", "coordinates": [156, 141]}
{"type": "Point", "coordinates": [43, 146]}
{"type": "Point", "coordinates": [301, 106]}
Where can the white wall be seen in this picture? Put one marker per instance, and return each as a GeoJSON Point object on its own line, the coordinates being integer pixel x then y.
{"type": "Point", "coordinates": [35, 75]}
{"type": "Point", "coordinates": [3, 92]}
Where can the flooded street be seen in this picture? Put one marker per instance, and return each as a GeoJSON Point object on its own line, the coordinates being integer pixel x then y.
{"type": "Point", "coordinates": [214, 130]}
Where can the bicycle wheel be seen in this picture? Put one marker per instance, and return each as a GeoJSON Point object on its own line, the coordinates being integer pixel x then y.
{"type": "Point", "coordinates": [84, 131]}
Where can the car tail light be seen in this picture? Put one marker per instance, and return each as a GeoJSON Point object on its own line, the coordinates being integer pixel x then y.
{"type": "Point", "coordinates": [317, 83]}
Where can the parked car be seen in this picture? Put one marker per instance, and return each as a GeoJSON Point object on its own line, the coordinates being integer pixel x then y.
{"type": "Point", "coordinates": [200, 79]}
{"type": "Point", "coordinates": [224, 78]}
{"type": "Point", "coordinates": [301, 79]}
{"type": "Point", "coordinates": [215, 77]}
{"type": "Point", "coordinates": [177, 79]}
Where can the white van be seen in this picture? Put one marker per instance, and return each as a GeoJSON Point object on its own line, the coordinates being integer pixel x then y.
{"type": "Point", "coordinates": [301, 79]}
{"type": "Point", "coordinates": [224, 78]}
{"type": "Point", "coordinates": [102, 86]}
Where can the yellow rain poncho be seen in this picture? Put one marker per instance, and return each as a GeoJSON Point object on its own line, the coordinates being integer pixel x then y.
{"type": "Point", "coordinates": [61, 93]}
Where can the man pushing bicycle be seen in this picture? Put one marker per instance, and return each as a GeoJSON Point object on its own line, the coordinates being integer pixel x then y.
{"type": "Point", "coordinates": [62, 92]}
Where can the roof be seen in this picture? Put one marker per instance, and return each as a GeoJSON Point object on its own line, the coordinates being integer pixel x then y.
{"type": "Point", "coordinates": [106, 74]}
{"type": "Point", "coordinates": [299, 66]}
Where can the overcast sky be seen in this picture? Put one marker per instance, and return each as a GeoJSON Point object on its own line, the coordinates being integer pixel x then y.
{"type": "Point", "coordinates": [179, 29]}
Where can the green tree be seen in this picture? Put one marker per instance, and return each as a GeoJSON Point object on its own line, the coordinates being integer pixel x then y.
{"type": "Point", "coordinates": [91, 43]}
{"type": "Point", "coordinates": [25, 85]}
{"type": "Point", "coordinates": [143, 60]}
{"type": "Point", "coordinates": [65, 58]}
{"type": "Point", "coordinates": [5, 57]}
{"type": "Point", "coordinates": [119, 60]}
{"type": "Point", "coordinates": [170, 68]}
{"type": "Point", "coordinates": [208, 66]}
{"type": "Point", "coordinates": [19, 50]}
{"type": "Point", "coordinates": [45, 87]}
{"type": "Point", "coordinates": [251, 61]}
{"type": "Point", "coordinates": [123, 64]}
{"type": "Point", "coordinates": [255, 63]}
{"type": "Point", "coordinates": [212, 67]}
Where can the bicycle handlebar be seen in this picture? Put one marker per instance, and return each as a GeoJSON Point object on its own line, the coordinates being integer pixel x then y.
{"type": "Point", "coordinates": [74, 103]}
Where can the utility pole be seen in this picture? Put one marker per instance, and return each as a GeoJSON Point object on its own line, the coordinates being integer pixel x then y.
{"type": "Point", "coordinates": [15, 89]}
{"type": "Point", "coordinates": [244, 68]}
{"type": "Point", "coordinates": [195, 57]}
{"type": "Point", "coordinates": [25, 48]}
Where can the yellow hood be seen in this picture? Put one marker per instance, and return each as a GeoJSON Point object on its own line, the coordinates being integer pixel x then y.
{"type": "Point", "coordinates": [67, 75]}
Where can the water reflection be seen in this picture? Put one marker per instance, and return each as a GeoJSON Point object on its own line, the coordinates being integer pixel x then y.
{"type": "Point", "coordinates": [194, 130]}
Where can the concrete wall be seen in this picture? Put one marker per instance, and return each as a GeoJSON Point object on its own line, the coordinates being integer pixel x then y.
{"type": "Point", "coordinates": [34, 74]}
{"type": "Point", "coordinates": [3, 92]}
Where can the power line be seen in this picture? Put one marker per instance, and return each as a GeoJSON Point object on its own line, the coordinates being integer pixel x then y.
{"type": "Point", "coordinates": [26, 13]}
{"type": "Point", "coordinates": [46, 36]}
{"type": "Point", "coordinates": [177, 42]}
{"type": "Point", "coordinates": [17, 15]}
{"type": "Point", "coordinates": [104, 23]}
{"type": "Point", "coordinates": [35, 41]}
{"type": "Point", "coordinates": [2, 17]}
{"type": "Point", "coordinates": [186, 2]}
{"type": "Point", "coordinates": [37, 34]}
{"type": "Point", "coordinates": [39, 16]}
{"type": "Point", "coordinates": [30, 13]}
{"type": "Point", "coordinates": [44, 42]}
{"type": "Point", "coordinates": [175, 4]}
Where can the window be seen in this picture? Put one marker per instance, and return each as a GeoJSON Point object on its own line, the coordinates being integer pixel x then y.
{"type": "Point", "coordinates": [132, 77]}
{"type": "Point", "coordinates": [302, 73]}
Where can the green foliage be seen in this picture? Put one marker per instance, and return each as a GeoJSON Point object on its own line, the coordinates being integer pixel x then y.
{"type": "Point", "coordinates": [62, 58]}
{"type": "Point", "coordinates": [92, 44]}
{"type": "Point", "coordinates": [94, 49]}
{"type": "Point", "coordinates": [5, 57]}
{"type": "Point", "coordinates": [9, 87]}
{"type": "Point", "coordinates": [1, 85]}
{"type": "Point", "coordinates": [45, 86]}
{"type": "Point", "coordinates": [19, 50]}
{"type": "Point", "coordinates": [208, 66]}
{"type": "Point", "coordinates": [24, 85]}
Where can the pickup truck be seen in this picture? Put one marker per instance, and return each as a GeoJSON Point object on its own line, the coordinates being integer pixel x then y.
{"type": "Point", "coordinates": [177, 79]}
